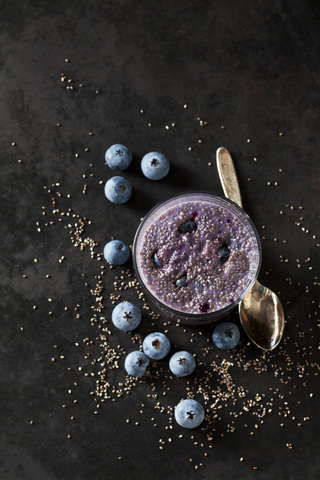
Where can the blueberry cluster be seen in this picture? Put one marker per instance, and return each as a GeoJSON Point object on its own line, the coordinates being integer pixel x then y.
{"type": "Point", "coordinates": [118, 190]}
{"type": "Point", "coordinates": [154, 166]}
{"type": "Point", "coordinates": [126, 317]}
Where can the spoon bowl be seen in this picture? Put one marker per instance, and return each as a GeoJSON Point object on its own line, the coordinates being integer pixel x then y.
{"type": "Point", "coordinates": [261, 315]}
{"type": "Point", "coordinates": [260, 311]}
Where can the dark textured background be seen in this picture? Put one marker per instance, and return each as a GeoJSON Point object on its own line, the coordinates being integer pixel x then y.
{"type": "Point", "coordinates": [251, 67]}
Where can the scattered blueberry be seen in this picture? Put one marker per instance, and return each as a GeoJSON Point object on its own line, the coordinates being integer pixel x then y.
{"type": "Point", "coordinates": [118, 157]}
{"type": "Point", "coordinates": [223, 253]}
{"type": "Point", "coordinates": [188, 226]}
{"type": "Point", "coordinates": [181, 282]}
{"type": "Point", "coordinates": [136, 363]}
{"type": "Point", "coordinates": [126, 316]}
{"type": "Point", "coordinates": [156, 260]}
{"type": "Point", "coordinates": [156, 346]}
{"type": "Point", "coordinates": [226, 335]}
{"type": "Point", "coordinates": [189, 413]}
{"type": "Point", "coordinates": [118, 190]}
{"type": "Point", "coordinates": [182, 364]}
{"type": "Point", "coordinates": [116, 252]}
{"type": "Point", "coordinates": [155, 166]}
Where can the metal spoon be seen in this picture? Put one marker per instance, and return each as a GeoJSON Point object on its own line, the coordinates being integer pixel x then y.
{"type": "Point", "coordinates": [261, 313]}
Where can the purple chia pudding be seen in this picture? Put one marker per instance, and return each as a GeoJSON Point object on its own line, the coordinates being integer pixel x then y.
{"type": "Point", "coordinates": [197, 255]}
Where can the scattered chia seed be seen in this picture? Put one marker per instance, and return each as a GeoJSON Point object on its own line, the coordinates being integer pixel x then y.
{"type": "Point", "coordinates": [225, 384]}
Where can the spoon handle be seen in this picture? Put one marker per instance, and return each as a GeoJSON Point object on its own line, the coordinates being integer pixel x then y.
{"type": "Point", "coordinates": [228, 176]}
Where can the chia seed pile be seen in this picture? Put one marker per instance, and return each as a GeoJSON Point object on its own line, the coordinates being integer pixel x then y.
{"type": "Point", "coordinates": [202, 269]}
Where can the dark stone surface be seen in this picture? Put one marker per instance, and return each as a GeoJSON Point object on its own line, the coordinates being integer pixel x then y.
{"type": "Point", "coordinates": [252, 67]}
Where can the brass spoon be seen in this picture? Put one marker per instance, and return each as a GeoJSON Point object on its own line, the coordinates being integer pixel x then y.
{"type": "Point", "coordinates": [261, 313]}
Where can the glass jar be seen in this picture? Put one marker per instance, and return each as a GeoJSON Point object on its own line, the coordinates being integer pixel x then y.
{"type": "Point", "coordinates": [203, 241]}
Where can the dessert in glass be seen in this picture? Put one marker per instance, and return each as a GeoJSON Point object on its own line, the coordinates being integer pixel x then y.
{"type": "Point", "coordinates": [196, 256]}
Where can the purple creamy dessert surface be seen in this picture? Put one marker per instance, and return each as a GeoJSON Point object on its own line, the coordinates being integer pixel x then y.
{"type": "Point", "coordinates": [198, 257]}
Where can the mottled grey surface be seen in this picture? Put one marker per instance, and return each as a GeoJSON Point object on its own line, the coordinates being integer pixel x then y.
{"type": "Point", "coordinates": [250, 67]}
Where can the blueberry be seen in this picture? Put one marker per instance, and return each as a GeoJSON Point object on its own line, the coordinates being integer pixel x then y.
{"type": "Point", "coordinates": [126, 316]}
{"type": "Point", "coordinates": [156, 260]}
{"type": "Point", "coordinates": [189, 413]}
{"type": "Point", "coordinates": [188, 226]}
{"type": "Point", "coordinates": [118, 190]}
{"type": "Point", "coordinates": [156, 346]}
{"type": "Point", "coordinates": [204, 307]}
{"type": "Point", "coordinates": [182, 364]}
{"type": "Point", "coordinates": [136, 363]}
{"type": "Point", "coordinates": [181, 282]}
{"type": "Point", "coordinates": [155, 166]}
{"type": "Point", "coordinates": [116, 252]}
{"type": "Point", "coordinates": [223, 253]}
{"type": "Point", "coordinates": [118, 157]}
{"type": "Point", "coordinates": [226, 335]}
